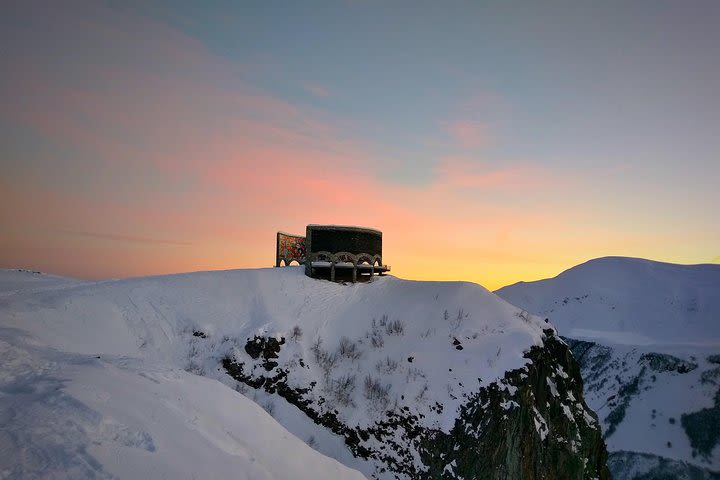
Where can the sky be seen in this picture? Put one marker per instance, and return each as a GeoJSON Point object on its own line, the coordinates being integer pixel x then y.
{"type": "Point", "coordinates": [491, 142]}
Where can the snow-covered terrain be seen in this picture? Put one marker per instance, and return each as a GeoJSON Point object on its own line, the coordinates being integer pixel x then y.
{"type": "Point", "coordinates": [129, 378]}
{"type": "Point", "coordinates": [15, 281]}
{"type": "Point", "coordinates": [647, 337]}
{"type": "Point", "coordinates": [628, 300]}
{"type": "Point", "coordinates": [79, 400]}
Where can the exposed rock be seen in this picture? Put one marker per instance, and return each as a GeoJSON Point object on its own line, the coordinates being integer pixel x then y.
{"type": "Point", "coordinates": [643, 466]}
{"type": "Point", "coordinates": [662, 362]}
{"type": "Point", "coordinates": [531, 424]}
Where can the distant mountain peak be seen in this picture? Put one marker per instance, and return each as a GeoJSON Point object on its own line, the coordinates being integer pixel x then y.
{"type": "Point", "coordinates": [612, 296]}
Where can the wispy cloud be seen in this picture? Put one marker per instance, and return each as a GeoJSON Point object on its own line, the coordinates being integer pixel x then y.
{"type": "Point", "coordinates": [166, 147]}
{"type": "Point", "coordinates": [141, 136]}
{"type": "Point", "coordinates": [317, 90]}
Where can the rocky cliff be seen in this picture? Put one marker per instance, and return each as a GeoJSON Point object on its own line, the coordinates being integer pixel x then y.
{"type": "Point", "coordinates": [532, 423]}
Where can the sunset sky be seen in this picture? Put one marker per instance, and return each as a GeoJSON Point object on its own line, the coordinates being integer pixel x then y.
{"type": "Point", "coordinates": [489, 141]}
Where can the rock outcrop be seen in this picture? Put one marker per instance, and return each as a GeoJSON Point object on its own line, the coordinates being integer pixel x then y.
{"type": "Point", "coordinates": [533, 423]}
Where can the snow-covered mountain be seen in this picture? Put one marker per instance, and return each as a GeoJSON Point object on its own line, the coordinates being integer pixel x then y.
{"type": "Point", "coordinates": [152, 377]}
{"type": "Point", "coordinates": [628, 300]}
{"type": "Point", "coordinates": [16, 281]}
{"type": "Point", "coordinates": [647, 337]}
{"type": "Point", "coordinates": [79, 400]}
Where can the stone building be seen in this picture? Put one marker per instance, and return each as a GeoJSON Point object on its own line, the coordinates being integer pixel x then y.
{"type": "Point", "coordinates": [334, 252]}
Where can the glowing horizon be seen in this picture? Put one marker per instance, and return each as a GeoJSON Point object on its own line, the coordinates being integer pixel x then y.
{"type": "Point", "coordinates": [488, 144]}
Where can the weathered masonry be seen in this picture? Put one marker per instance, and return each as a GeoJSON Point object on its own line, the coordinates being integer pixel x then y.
{"type": "Point", "coordinates": [333, 252]}
{"type": "Point", "coordinates": [343, 253]}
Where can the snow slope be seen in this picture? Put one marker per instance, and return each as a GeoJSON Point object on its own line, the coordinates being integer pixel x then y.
{"type": "Point", "coordinates": [628, 300]}
{"type": "Point", "coordinates": [647, 338]}
{"type": "Point", "coordinates": [14, 281]}
{"type": "Point", "coordinates": [80, 399]}
{"type": "Point", "coordinates": [99, 378]}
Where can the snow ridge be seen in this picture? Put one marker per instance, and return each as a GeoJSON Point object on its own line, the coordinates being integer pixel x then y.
{"type": "Point", "coordinates": [628, 300]}
{"type": "Point", "coordinates": [136, 364]}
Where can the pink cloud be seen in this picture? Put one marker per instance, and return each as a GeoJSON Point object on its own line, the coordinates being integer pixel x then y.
{"type": "Point", "coordinates": [459, 172]}
{"type": "Point", "coordinates": [225, 166]}
{"type": "Point", "coordinates": [469, 134]}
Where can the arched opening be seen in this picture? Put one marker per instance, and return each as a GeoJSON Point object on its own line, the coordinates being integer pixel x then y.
{"type": "Point", "coordinates": [363, 267]}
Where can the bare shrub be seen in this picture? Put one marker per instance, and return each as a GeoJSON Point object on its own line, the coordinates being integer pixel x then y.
{"type": "Point", "coordinates": [342, 389]}
{"type": "Point", "coordinates": [414, 373]}
{"type": "Point", "coordinates": [348, 348]}
{"type": "Point", "coordinates": [345, 346]}
{"type": "Point", "coordinates": [387, 366]}
{"type": "Point", "coordinates": [456, 321]}
{"type": "Point", "coordinates": [461, 316]}
{"type": "Point", "coordinates": [296, 333]}
{"type": "Point", "coordinates": [316, 349]}
{"type": "Point", "coordinates": [323, 358]}
{"type": "Point", "coordinates": [428, 332]}
{"type": "Point", "coordinates": [422, 395]}
{"type": "Point", "coordinates": [376, 336]}
{"type": "Point", "coordinates": [383, 320]}
{"type": "Point", "coordinates": [395, 327]}
{"type": "Point", "coordinates": [328, 362]}
{"type": "Point", "coordinates": [376, 392]}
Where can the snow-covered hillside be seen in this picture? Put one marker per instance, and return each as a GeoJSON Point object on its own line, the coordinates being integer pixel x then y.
{"type": "Point", "coordinates": [143, 378]}
{"type": "Point", "coordinates": [628, 300]}
{"type": "Point", "coordinates": [15, 281]}
{"type": "Point", "coordinates": [647, 337]}
{"type": "Point", "coordinates": [71, 410]}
